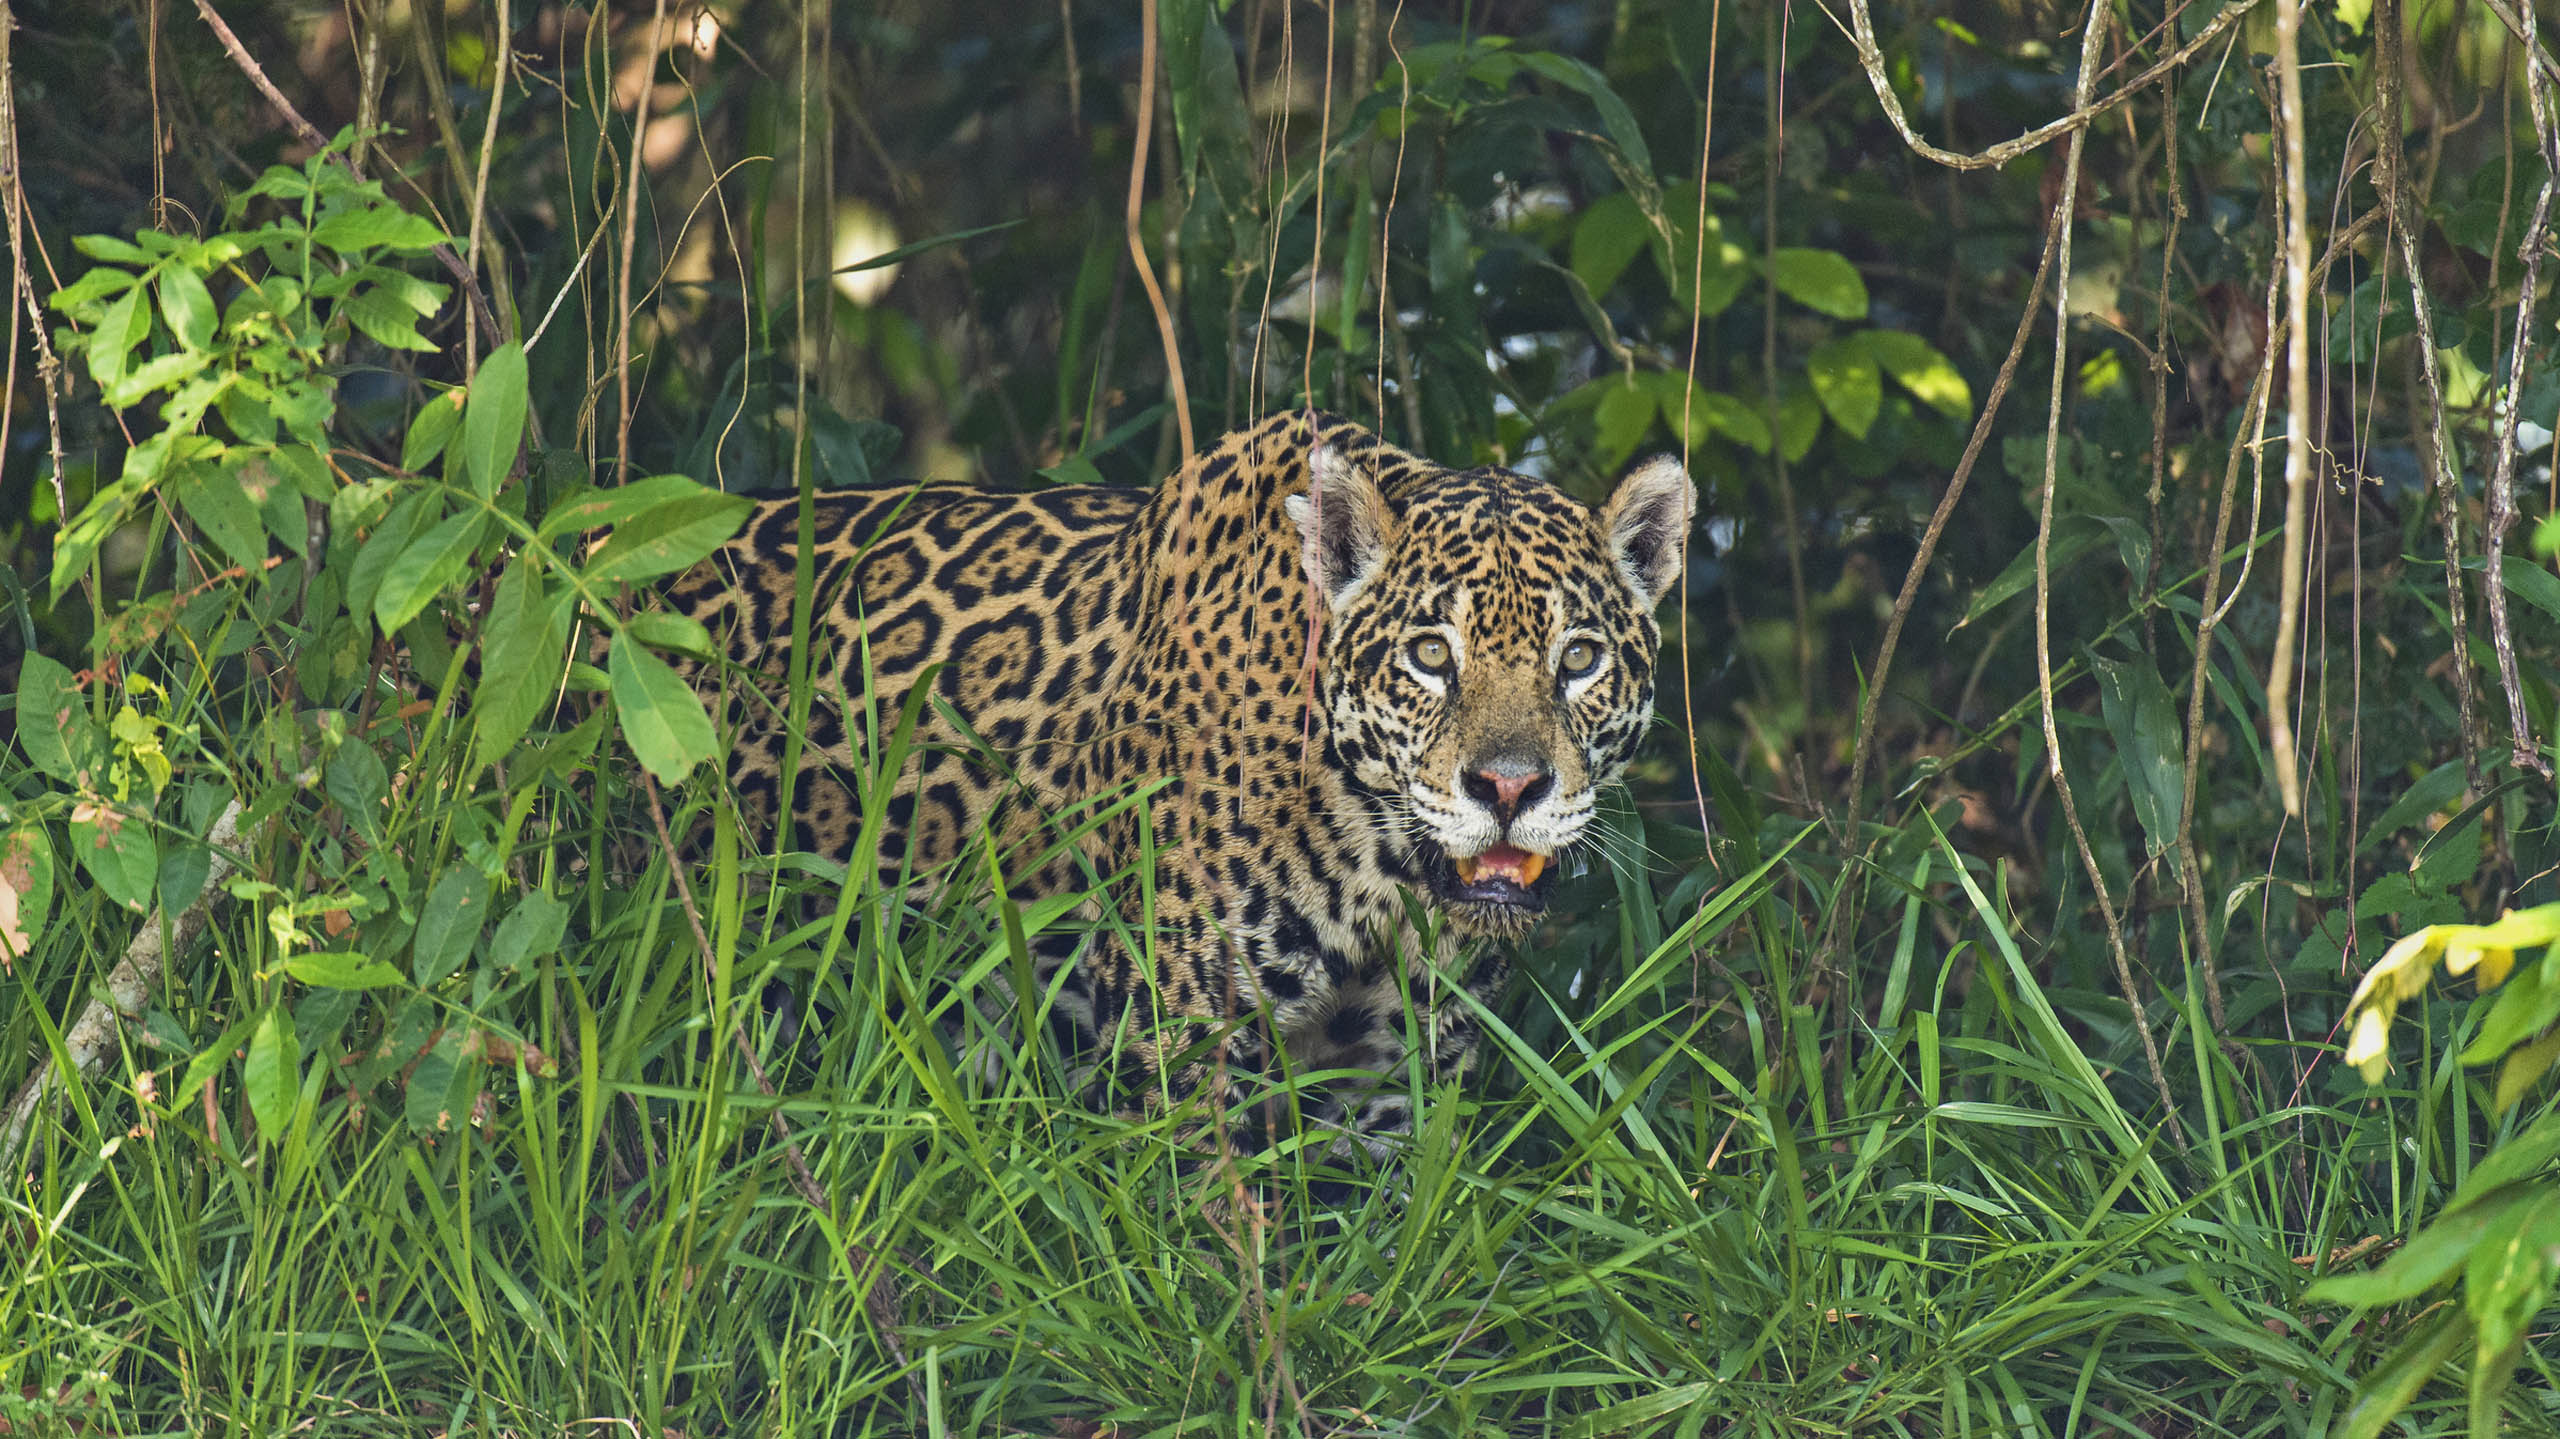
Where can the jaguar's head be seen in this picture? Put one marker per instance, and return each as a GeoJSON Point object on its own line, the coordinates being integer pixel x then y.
{"type": "Point", "coordinates": [1489, 653]}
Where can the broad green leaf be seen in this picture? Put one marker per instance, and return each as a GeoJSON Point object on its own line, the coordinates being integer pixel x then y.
{"type": "Point", "coordinates": [53, 726]}
{"type": "Point", "coordinates": [426, 568]}
{"type": "Point", "coordinates": [533, 928]}
{"type": "Point", "coordinates": [273, 1073]}
{"type": "Point", "coordinates": [2525, 1156]}
{"type": "Point", "coordinates": [385, 545]}
{"type": "Point", "coordinates": [1210, 119]}
{"type": "Point", "coordinates": [91, 287]}
{"type": "Point", "coordinates": [1610, 234]}
{"type": "Point", "coordinates": [493, 419]}
{"type": "Point", "coordinates": [26, 890]}
{"type": "Point", "coordinates": [1799, 424]}
{"type": "Point", "coordinates": [2523, 1068]}
{"type": "Point", "coordinates": [594, 509]}
{"type": "Point", "coordinates": [183, 872]}
{"type": "Point", "coordinates": [186, 304]}
{"type": "Point", "coordinates": [117, 850]}
{"type": "Point", "coordinates": [520, 658]}
{"type": "Point", "coordinates": [357, 783]}
{"type": "Point", "coordinates": [385, 319]}
{"type": "Point", "coordinates": [1930, 376]}
{"type": "Point", "coordinates": [1821, 279]}
{"type": "Point", "coordinates": [2525, 1007]}
{"type": "Point", "coordinates": [1727, 415]}
{"type": "Point", "coordinates": [378, 226]}
{"type": "Point", "coordinates": [2420, 1265]}
{"type": "Point", "coordinates": [2508, 1280]}
{"type": "Point", "coordinates": [213, 498]}
{"type": "Point", "coordinates": [342, 969]}
{"type": "Point", "coordinates": [662, 718]}
{"type": "Point", "coordinates": [110, 345]}
{"type": "Point", "coordinates": [456, 907]}
{"type": "Point", "coordinates": [153, 375]}
{"type": "Point", "coordinates": [2149, 744]}
{"type": "Point", "coordinates": [429, 1103]}
{"type": "Point", "coordinates": [1625, 413]}
{"type": "Point", "coordinates": [667, 630]}
{"type": "Point", "coordinates": [1718, 276]}
{"type": "Point", "coordinates": [668, 537]}
{"type": "Point", "coordinates": [432, 431]}
{"type": "Point", "coordinates": [111, 249]}
{"type": "Point", "coordinates": [1845, 379]}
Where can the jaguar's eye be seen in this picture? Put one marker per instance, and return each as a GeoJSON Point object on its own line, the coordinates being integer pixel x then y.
{"type": "Point", "coordinates": [1431, 652]}
{"type": "Point", "coordinates": [1579, 658]}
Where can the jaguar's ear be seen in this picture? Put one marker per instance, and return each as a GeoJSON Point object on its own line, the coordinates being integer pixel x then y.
{"type": "Point", "coordinates": [1647, 525]}
{"type": "Point", "coordinates": [1343, 526]}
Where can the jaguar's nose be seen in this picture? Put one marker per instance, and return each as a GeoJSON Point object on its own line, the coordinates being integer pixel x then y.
{"type": "Point", "coordinates": [1508, 784]}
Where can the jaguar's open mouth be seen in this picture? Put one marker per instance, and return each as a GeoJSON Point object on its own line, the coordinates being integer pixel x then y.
{"type": "Point", "coordinates": [1503, 883]}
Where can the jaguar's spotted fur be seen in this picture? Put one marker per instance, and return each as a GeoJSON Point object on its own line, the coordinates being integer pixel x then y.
{"type": "Point", "coordinates": [1484, 650]}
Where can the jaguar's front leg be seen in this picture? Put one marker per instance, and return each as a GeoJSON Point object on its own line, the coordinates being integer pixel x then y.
{"type": "Point", "coordinates": [1400, 1024]}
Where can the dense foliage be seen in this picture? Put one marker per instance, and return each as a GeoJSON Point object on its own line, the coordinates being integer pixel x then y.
{"type": "Point", "coordinates": [402, 1030]}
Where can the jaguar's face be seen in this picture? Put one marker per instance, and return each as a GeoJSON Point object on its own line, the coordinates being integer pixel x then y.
{"type": "Point", "coordinates": [1489, 660]}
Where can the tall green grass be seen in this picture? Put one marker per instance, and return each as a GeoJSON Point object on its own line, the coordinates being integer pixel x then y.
{"type": "Point", "coordinates": [1941, 1206]}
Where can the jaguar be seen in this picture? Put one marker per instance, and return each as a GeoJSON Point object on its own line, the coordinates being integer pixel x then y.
{"type": "Point", "coordinates": [1310, 673]}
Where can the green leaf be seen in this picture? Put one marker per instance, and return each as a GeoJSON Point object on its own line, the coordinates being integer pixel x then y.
{"type": "Point", "coordinates": [213, 498]}
{"type": "Point", "coordinates": [96, 285]}
{"type": "Point", "coordinates": [668, 537]}
{"type": "Point", "coordinates": [2508, 1280]}
{"type": "Point", "coordinates": [1719, 276]}
{"type": "Point", "coordinates": [274, 1072]}
{"type": "Point", "coordinates": [2526, 1006]}
{"type": "Point", "coordinates": [2073, 536]}
{"type": "Point", "coordinates": [26, 890]}
{"type": "Point", "coordinates": [2420, 1265]}
{"type": "Point", "coordinates": [456, 906]}
{"type": "Point", "coordinates": [667, 630]}
{"type": "Point", "coordinates": [662, 718]}
{"type": "Point", "coordinates": [1799, 424]}
{"type": "Point", "coordinates": [1845, 379]}
{"type": "Point", "coordinates": [1821, 279]}
{"type": "Point", "coordinates": [110, 344]}
{"type": "Point", "coordinates": [596, 508]}
{"type": "Point", "coordinates": [1726, 415]}
{"type": "Point", "coordinates": [2525, 1065]}
{"type": "Point", "coordinates": [183, 872]}
{"type": "Point", "coordinates": [2149, 744]}
{"type": "Point", "coordinates": [385, 319]}
{"type": "Point", "coordinates": [117, 850]}
{"type": "Point", "coordinates": [111, 249]}
{"type": "Point", "coordinates": [378, 226]}
{"type": "Point", "coordinates": [432, 431]}
{"type": "Point", "coordinates": [54, 727]}
{"type": "Point", "coordinates": [1210, 118]}
{"type": "Point", "coordinates": [384, 547]}
{"type": "Point", "coordinates": [1625, 413]}
{"type": "Point", "coordinates": [1608, 237]}
{"type": "Point", "coordinates": [186, 304]}
{"type": "Point", "coordinates": [342, 969]}
{"type": "Point", "coordinates": [357, 783]}
{"type": "Point", "coordinates": [531, 929]}
{"type": "Point", "coordinates": [1930, 376]}
{"type": "Point", "coordinates": [429, 1103]}
{"type": "Point", "coordinates": [2393, 1383]}
{"type": "Point", "coordinates": [426, 568]}
{"type": "Point", "coordinates": [493, 419]}
{"type": "Point", "coordinates": [520, 659]}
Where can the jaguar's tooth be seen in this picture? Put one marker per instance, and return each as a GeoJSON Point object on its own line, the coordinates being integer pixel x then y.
{"type": "Point", "coordinates": [1466, 869]}
{"type": "Point", "coordinates": [1531, 866]}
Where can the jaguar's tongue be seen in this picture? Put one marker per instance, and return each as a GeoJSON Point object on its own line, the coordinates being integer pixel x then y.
{"type": "Point", "coordinates": [1503, 861]}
